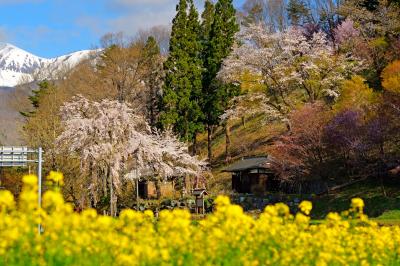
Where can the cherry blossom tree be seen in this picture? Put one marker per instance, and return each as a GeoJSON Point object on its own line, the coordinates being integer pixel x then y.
{"type": "Point", "coordinates": [345, 32]}
{"type": "Point", "coordinates": [114, 144]}
{"type": "Point", "coordinates": [249, 104]}
{"type": "Point", "coordinates": [294, 68]}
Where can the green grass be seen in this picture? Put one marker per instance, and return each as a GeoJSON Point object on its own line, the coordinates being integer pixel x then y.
{"type": "Point", "coordinates": [246, 140]}
{"type": "Point", "coordinates": [388, 218]}
{"type": "Point", "coordinates": [382, 204]}
{"type": "Point", "coordinates": [390, 215]}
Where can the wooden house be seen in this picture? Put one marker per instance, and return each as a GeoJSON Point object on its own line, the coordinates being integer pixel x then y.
{"type": "Point", "coordinates": [253, 175]}
{"type": "Point", "coordinates": [147, 189]}
{"type": "Point", "coordinates": [170, 188]}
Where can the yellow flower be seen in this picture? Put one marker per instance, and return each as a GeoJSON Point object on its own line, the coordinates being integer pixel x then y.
{"type": "Point", "coordinates": [30, 180]}
{"type": "Point", "coordinates": [52, 199]}
{"type": "Point", "coordinates": [128, 214]}
{"type": "Point", "coordinates": [149, 214]}
{"type": "Point", "coordinates": [6, 200]}
{"type": "Point", "coordinates": [301, 219]}
{"type": "Point", "coordinates": [333, 217]}
{"type": "Point", "coordinates": [283, 209]}
{"type": "Point", "coordinates": [56, 177]}
{"type": "Point", "coordinates": [271, 210]}
{"type": "Point", "coordinates": [357, 204]}
{"type": "Point", "coordinates": [305, 207]}
{"type": "Point", "coordinates": [221, 201]}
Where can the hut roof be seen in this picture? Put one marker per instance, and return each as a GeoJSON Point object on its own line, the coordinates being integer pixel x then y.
{"type": "Point", "coordinates": [199, 191]}
{"type": "Point", "coordinates": [249, 163]}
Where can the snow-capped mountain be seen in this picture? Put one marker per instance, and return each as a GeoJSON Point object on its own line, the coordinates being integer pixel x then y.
{"type": "Point", "coordinates": [17, 65]}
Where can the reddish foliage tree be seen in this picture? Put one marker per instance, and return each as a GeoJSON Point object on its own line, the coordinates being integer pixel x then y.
{"type": "Point", "coordinates": [301, 153]}
{"type": "Point", "coordinates": [335, 147]}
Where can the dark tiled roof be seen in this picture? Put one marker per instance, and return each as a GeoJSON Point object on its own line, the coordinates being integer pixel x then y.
{"type": "Point", "coordinates": [249, 163]}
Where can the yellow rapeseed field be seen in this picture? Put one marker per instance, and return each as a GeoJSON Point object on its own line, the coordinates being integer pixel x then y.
{"type": "Point", "coordinates": [226, 237]}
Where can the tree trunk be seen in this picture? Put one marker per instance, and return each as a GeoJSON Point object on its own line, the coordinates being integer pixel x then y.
{"type": "Point", "coordinates": [158, 188]}
{"type": "Point", "coordinates": [111, 193]}
{"type": "Point", "coordinates": [227, 143]}
{"type": "Point", "coordinates": [288, 126]}
{"type": "Point", "coordinates": [104, 178]}
{"type": "Point", "coordinates": [152, 107]}
{"type": "Point", "coordinates": [183, 191]}
{"type": "Point", "coordinates": [194, 145]}
{"type": "Point", "coordinates": [209, 143]}
{"type": "Point", "coordinates": [243, 121]}
{"type": "Point", "coordinates": [137, 193]}
{"type": "Point", "coordinates": [383, 188]}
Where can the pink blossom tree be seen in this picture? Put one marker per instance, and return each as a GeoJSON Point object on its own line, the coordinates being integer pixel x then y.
{"type": "Point", "coordinates": [345, 32]}
{"type": "Point", "coordinates": [115, 144]}
{"type": "Point", "coordinates": [293, 67]}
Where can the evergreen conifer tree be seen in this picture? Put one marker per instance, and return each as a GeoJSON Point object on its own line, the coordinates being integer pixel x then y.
{"type": "Point", "coordinates": [44, 87]}
{"type": "Point", "coordinates": [218, 46]}
{"type": "Point", "coordinates": [183, 82]}
{"type": "Point", "coordinates": [152, 55]}
{"type": "Point", "coordinates": [152, 49]}
{"type": "Point", "coordinates": [195, 72]}
{"type": "Point", "coordinates": [173, 67]}
{"type": "Point", "coordinates": [207, 20]}
{"type": "Point", "coordinates": [206, 26]}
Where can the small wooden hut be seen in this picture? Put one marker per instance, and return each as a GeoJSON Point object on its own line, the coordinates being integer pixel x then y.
{"type": "Point", "coordinates": [253, 175]}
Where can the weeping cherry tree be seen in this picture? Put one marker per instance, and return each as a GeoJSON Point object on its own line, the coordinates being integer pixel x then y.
{"type": "Point", "coordinates": [114, 145]}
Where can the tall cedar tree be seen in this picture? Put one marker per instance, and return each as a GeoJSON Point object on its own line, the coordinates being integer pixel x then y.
{"type": "Point", "coordinates": [182, 88]}
{"type": "Point", "coordinates": [207, 18]}
{"type": "Point", "coordinates": [195, 72]}
{"type": "Point", "coordinates": [219, 45]}
{"type": "Point", "coordinates": [206, 27]}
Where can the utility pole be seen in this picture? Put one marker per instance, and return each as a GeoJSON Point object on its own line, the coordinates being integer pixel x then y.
{"type": "Point", "coordinates": [40, 161]}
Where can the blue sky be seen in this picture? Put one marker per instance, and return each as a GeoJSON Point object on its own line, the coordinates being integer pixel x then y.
{"type": "Point", "coordinates": [50, 28]}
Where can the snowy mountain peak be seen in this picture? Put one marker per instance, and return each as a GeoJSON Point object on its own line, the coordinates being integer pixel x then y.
{"type": "Point", "coordinates": [17, 60]}
{"type": "Point", "coordinates": [17, 64]}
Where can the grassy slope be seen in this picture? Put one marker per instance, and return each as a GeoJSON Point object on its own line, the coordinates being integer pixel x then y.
{"type": "Point", "coordinates": [250, 139]}
{"type": "Point", "coordinates": [382, 203]}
